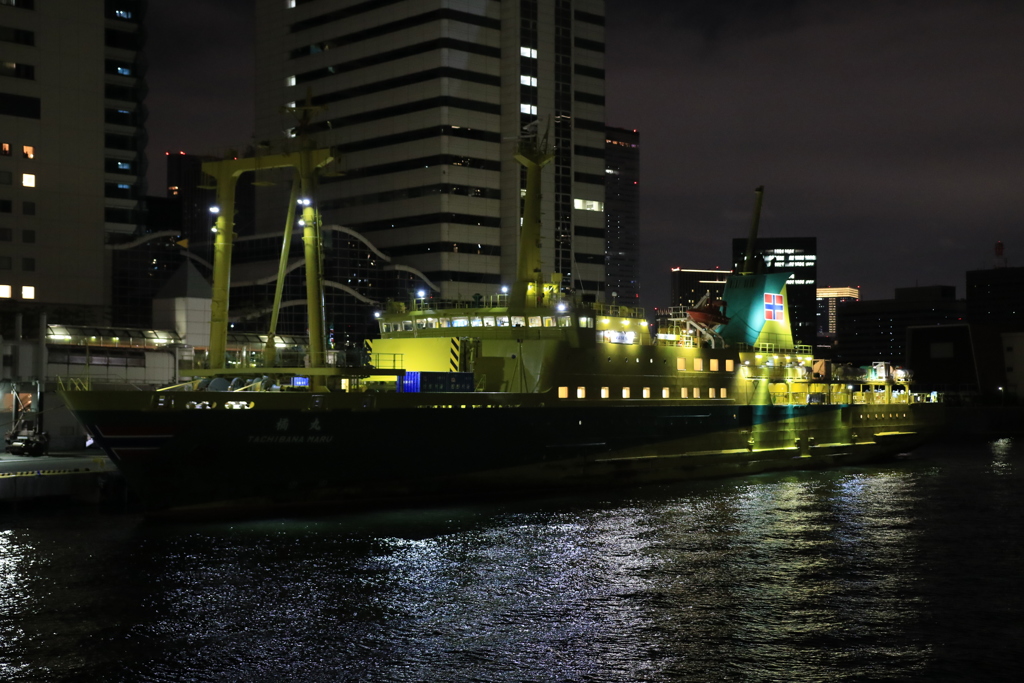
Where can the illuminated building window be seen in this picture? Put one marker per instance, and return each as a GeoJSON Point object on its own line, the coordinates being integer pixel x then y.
{"type": "Point", "coordinates": [696, 392]}
{"type": "Point", "coordinates": [289, 81]}
{"type": "Point", "coordinates": [28, 179]}
{"type": "Point", "coordinates": [698, 365]}
{"type": "Point", "coordinates": [625, 392]}
{"type": "Point", "coordinates": [5, 291]}
{"type": "Point", "coordinates": [683, 393]}
{"type": "Point", "coordinates": [528, 52]}
{"type": "Point", "coordinates": [587, 205]}
{"type": "Point", "coordinates": [581, 392]}
{"type": "Point", "coordinates": [124, 165]}
{"type": "Point", "coordinates": [291, 4]}
{"type": "Point", "coordinates": [528, 109]}
{"type": "Point", "coordinates": [28, 292]}
{"type": "Point", "coordinates": [713, 364]}
{"type": "Point", "coordinates": [647, 392]}
{"type": "Point", "coordinates": [711, 392]}
{"type": "Point", "coordinates": [722, 393]}
{"type": "Point", "coordinates": [173, 189]}
{"type": "Point", "coordinates": [729, 365]}
{"type": "Point", "coordinates": [122, 14]}
{"type": "Point", "coordinates": [605, 393]}
{"type": "Point", "coordinates": [124, 71]}
{"type": "Point", "coordinates": [681, 365]}
{"type": "Point", "coordinates": [528, 80]}
{"type": "Point", "coordinates": [665, 392]}
{"type": "Point", "coordinates": [28, 151]}
{"type": "Point", "coordinates": [563, 392]}
{"type": "Point", "coordinates": [5, 149]}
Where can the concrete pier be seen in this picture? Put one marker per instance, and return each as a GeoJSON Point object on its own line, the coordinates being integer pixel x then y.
{"type": "Point", "coordinates": [80, 476]}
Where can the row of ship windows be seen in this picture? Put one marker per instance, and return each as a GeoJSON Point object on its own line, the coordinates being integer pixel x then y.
{"type": "Point", "coordinates": [486, 321]}
{"type": "Point", "coordinates": [645, 392]}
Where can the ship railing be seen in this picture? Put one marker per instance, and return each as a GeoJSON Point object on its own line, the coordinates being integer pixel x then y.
{"type": "Point", "coordinates": [617, 311]}
{"type": "Point", "coordinates": [432, 304]}
{"type": "Point", "coordinates": [74, 383]}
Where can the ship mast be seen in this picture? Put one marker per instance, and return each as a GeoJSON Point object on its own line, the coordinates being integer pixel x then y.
{"type": "Point", "coordinates": [226, 173]}
{"type": "Point", "coordinates": [533, 152]}
{"type": "Point", "coordinates": [747, 267]}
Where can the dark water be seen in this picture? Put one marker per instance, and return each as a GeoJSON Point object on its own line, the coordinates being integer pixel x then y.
{"type": "Point", "coordinates": [908, 571]}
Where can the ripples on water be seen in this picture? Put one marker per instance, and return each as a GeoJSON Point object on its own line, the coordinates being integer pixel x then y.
{"type": "Point", "coordinates": [909, 571]}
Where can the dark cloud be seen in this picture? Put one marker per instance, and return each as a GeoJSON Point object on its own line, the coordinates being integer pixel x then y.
{"type": "Point", "coordinates": [890, 130]}
{"type": "Point", "coordinates": [201, 78]}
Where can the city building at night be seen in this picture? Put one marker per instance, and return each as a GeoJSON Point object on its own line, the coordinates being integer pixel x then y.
{"type": "Point", "coordinates": [622, 216]}
{"type": "Point", "coordinates": [423, 102]}
{"type": "Point", "coordinates": [72, 167]}
{"type": "Point", "coordinates": [799, 256]}
{"type": "Point", "coordinates": [829, 299]}
{"type": "Point", "coordinates": [876, 330]}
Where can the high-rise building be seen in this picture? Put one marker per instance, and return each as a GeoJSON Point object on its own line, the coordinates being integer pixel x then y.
{"type": "Point", "coordinates": [876, 330]}
{"type": "Point", "coordinates": [622, 216]}
{"type": "Point", "coordinates": [799, 255]}
{"type": "Point", "coordinates": [424, 101]}
{"type": "Point", "coordinates": [690, 285]}
{"type": "Point", "coordinates": [71, 149]}
{"type": "Point", "coordinates": [829, 299]}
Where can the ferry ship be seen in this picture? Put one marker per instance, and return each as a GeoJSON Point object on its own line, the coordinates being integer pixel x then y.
{"type": "Point", "coordinates": [522, 391]}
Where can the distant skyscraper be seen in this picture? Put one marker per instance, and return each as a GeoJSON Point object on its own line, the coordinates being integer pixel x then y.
{"type": "Point", "coordinates": [622, 215]}
{"type": "Point", "coordinates": [798, 255]}
{"type": "Point", "coordinates": [869, 331]}
{"type": "Point", "coordinates": [828, 300]}
{"type": "Point", "coordinates": [425, 100]}
{"type": "Point", "coordinates": [71, 148]}
{"type": "Point", "coordinates": [690, 285]}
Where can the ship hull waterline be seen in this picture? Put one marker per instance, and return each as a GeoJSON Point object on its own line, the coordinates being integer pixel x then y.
{"type": "Point", "coordinates": [284, 449]}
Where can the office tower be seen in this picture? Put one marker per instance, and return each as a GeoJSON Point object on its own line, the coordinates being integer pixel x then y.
{"type": "Point", "coordinates": [424, 101]}
{"type": "Point", "coordinates": [799, 255]}
{"type": "Point", "coordinates": [622, 216]}
{"type": "Point", "coordinates": [71, 149]}
{"type": "Point", "coordinates": [828, 299]}
{"type": "Point", "coordinates": [690, 285]}
{"type": "Point", "coordinates": [876, 330]}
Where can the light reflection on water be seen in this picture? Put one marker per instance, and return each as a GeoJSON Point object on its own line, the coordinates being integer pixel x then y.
{"type": "Point", "coordinates": [868, 574]}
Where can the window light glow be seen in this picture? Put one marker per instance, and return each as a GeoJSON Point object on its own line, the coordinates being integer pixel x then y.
{"type": "Point", "coordinates": [28, 179]}
{"type": "Point", "coordinates": [5, 291]}
{"type": "Point", "coordinates": [28, 151]}
{"type": "Point", "coordinates": [587, 205]}
{"type": "Point", "coordinates": [528, 80]}
{"type": "Point", "coordinates": [528, 52]}
{"type": "Point", "coordinates": [28, 292]}
{"type": "Point", "coordinates": [528, 109]}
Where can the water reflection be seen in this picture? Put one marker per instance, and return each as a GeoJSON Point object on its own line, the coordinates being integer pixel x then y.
{"type": "Point", "coordinates": [847, 575]}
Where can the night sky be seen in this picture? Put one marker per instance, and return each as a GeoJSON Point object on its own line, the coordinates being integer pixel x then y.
{"type": "Point", "coordinates": [893, 131]}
